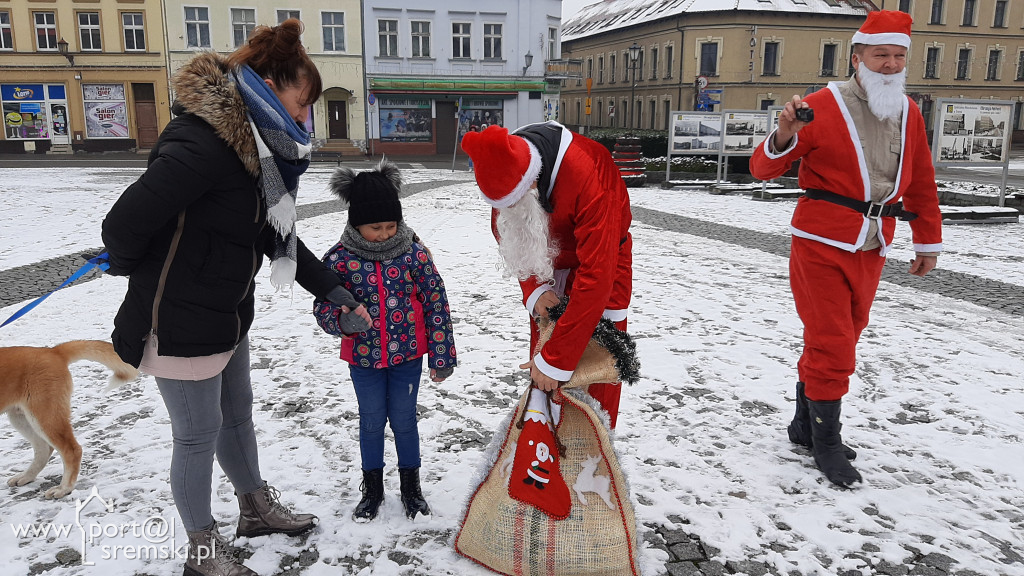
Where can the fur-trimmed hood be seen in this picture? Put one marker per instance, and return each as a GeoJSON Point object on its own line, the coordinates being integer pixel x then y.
{"type": "Point", "coordinates": [204, 87]}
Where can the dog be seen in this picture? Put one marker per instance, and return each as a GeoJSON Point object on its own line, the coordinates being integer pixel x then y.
{"type": "Point", "coordinates": [35, 392]}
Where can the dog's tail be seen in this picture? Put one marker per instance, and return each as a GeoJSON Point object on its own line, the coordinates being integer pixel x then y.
{"type": "Point", "coordinates": [102, 352]}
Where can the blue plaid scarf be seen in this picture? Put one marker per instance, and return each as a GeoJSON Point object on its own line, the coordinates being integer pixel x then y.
{"type": "Point", "coordinates": [284, 151]}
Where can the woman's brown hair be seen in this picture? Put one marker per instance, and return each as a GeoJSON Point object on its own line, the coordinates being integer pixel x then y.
{"type": "Point", "coordinates": [277, 53]}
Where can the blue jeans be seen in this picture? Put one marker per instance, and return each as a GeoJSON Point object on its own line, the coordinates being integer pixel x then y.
{"type": "Point", "coordinates": [388, 395]}
{"type": "Point", "coordinates": [211, 417]}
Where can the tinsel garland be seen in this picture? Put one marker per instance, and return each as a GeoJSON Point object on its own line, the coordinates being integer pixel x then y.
{"type": "Point", "coordinates": [618, 343]}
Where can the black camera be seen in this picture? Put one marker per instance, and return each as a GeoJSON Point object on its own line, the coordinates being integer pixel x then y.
{"type": "Point", "coordinates": [805, 114]}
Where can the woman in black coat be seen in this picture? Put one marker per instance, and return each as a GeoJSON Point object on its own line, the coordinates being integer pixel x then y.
{"type": "Point", "coordinates": [191, 233]}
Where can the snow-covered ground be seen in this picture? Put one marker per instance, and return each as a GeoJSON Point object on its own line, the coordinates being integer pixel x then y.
{"type": "Point", "coordinates": [936, 408]}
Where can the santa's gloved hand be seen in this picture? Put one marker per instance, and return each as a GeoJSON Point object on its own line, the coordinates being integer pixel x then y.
{"type": "Point", "coordinates": [352, 322]}
{"type": "Point", "coordinates": [338, 295]}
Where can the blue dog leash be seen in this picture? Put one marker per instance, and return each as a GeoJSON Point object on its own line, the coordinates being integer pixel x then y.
{"type": "Point", "coordinates": [94, 262]}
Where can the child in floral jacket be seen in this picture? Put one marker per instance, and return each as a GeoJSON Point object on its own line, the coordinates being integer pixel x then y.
{"type": "Point", "coordinates": [381, 261]}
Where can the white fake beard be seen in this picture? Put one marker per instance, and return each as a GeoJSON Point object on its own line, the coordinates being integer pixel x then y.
{"type": "Point", "coordinates": [886, 92]}
{"type": "Point", "coordinates": [525, 242]}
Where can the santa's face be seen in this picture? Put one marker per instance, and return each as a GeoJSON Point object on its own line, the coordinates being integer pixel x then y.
{"type": "Point", "coordinates": [524, 240]}
{"type": "Point", "coordinates": [882, 72]}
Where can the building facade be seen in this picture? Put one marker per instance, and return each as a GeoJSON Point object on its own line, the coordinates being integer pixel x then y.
{"type": "Point", "coordinates": [332, 36]}
{"type": "Point", "coordinates": [758, 53]}
{"type": "Point", "coordinates": [87, 76]}
{"type": "Point", "coordinates": [435, 70]}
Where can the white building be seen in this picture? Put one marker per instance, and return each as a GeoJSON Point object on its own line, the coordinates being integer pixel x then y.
{"type": "Point", "coordinates": [333, 39]}
{"type": "Point", "coordinates": [494, 59]}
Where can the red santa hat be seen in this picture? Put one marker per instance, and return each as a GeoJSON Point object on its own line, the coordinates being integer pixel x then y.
{"type": "Point", "coordinates": [505, 165]}
{"type": "Point", "coordinates": [885, 27]}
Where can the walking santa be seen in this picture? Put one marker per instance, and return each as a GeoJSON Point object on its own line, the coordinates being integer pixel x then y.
{"type": "Point", "coordinates": [865, 162]}
{"type": "Point", "coordinates": [561, 217]}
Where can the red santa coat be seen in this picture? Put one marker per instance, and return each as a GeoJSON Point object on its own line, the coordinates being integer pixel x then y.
{"type": "Point", "coordinates": [833, 160]}
{"type": "Point", "coordinates": [590, 224]}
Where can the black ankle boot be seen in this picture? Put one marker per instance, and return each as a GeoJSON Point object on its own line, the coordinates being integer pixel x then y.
{"type": "Point", "coordinates": [412, 498]}
{"type": "Point", "coordinates": [828, 444]}
{"type": "Point", "coordinates": [800, 428]}
{"type": "Point", "coordinates": [373, 495]}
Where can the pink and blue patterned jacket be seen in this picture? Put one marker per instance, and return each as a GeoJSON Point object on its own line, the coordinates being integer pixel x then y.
{"type": "Point", "coordinates": [405, 298]}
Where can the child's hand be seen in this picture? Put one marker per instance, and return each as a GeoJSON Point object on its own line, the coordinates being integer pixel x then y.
{"type": "Point", "coordinates": [439, 374]}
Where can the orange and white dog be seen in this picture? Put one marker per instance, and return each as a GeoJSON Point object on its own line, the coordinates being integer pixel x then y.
{"type": "Point", "coordinates": [35, 392]}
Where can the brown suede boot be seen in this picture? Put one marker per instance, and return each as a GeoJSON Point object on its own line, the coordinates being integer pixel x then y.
{"type": "Point", "coordinates": [261, 513]}
{"type": "Point", "coordinates": [209, 554]}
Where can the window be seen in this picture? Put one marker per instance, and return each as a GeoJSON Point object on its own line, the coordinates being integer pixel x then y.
{"type": "Point", "coordinates": [926, 111]}
{"type": "Point", "coordinates": [771, 59]}
{"type": "Point", "coordinates": [970, 7]}
{"type": "Point", "coordinates": [709, 59]}
{"type": "Point", "coordinates": [387, 38]}
{"type": "Point", "coordinates": [624, 112]}
{"type": "Point", "coordinates": [1020, 65]}
{"type": "Point", "coordinates": [89, 31]}
{"type": "Point", "coordinates": [552, 43]}
{"type": "Point", "coordinates": [905, 6]}
{"type": "Point", "coordinates": [828, 59]}
{"type": "Point", "coordinates": [243, 22]}
{"type": "Point", "coordinates": [197, 27]}
{"type": "Point", "coordinates": [670, 61]}
{"type": "Point", "coordinates": [420, 39]}
{"type": "Point", "coordinates": [46, 30]}
{"type": "Point", "coordinates": [654, 63]}
{"type": "Point", "coordinates": [992, 71]}
{"type": "Point", "coordinates": [850, 70]}
{"type": "Point", "coordinates": [283, 15]}
{"type": "Point", "coordinates": [931, 63]}
{"type": "Point", "coordinates": [1000, 18]}
{"type": "Point", "coordinates": [936, 15]}
{"type": "Point", "coordinates": [492, 41]}
{"type": "Point", "coordinates": [134, 31]}
{"type": "Point", "coordinates": [6, 38]}
{"type": "Point", "coordinates": [963, 63]}
{"type": "Point", "coordinates": [600, 72]}
{"type": "Point", "coordinates": [611, 68]}
{"type": "Point", "coordinates": [590, 68]}
{"type": "Point", "coordinates": [461, 40]}
{"type": "Point", "coordinates": [333, 25]}
{"type": "Point", "coordinates": [654, 118]}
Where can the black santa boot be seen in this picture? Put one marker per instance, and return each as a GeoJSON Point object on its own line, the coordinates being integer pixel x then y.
{"type": "Point", "coordinates": [828, 444]}
{"type": "Point", "coordinates": [800, 428]}
{"type": "Point", "coordinates": [412, 497]}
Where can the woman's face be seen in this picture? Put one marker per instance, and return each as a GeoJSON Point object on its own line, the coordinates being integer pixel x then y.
{"type": "Point", "coordinates": [378, 231]}
{"type": "Point", "coordinates": [293, 98]}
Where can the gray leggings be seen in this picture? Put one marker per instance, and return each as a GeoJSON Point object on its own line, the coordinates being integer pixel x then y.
{"type": "Point", "coordinates": [208, 417]}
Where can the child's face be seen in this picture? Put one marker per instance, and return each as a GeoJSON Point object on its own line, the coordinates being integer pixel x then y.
{"type": "Point", "coordinates": [378, 231]}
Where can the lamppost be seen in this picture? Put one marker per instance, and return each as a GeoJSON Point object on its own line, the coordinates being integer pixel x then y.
{"type": "Point", "coordinates": [62, 47]}
{"type": "Point", "coordinates": [529, 60]}
{"type": "Point", "coordinates": [634, 55]}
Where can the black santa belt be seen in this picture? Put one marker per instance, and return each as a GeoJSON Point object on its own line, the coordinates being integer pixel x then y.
{"type": "Point", "coordinates": [868, 209]}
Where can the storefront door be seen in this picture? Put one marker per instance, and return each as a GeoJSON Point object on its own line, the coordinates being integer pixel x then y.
{"type": "Point", "coordinates": [59, 123]}
{"type": "Point", "coordinates": [337, 120]}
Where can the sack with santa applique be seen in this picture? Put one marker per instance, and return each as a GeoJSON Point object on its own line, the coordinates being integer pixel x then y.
{"type": "Point", "coordinates": [552, 499]}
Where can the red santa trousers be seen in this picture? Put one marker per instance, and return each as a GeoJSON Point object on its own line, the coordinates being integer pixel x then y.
{"type": "Point", "coordinates": [833, 290]}
{"type": "Point", "coordinates": [607, 395]}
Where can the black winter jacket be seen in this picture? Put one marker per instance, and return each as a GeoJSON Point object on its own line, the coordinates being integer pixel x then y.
{"type": "Point", "coordinates": [191, 233]}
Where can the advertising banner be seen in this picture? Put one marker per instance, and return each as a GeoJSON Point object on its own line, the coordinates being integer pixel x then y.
{"type": "Point", "coordinates": [106, 120]}
{"type": "Point", "coordinates": [405, 120]}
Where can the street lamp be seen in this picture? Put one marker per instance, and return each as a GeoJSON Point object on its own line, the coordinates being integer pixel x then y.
{"type": "Point", "coordinates": [634, 55]}
{"type": "Point", "coordinates": [529, 61]}
{"type": "Point", "coordinates": [62, 47]}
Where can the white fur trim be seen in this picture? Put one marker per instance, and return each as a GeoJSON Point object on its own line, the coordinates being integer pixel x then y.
{"type": "Point", "coordinates": [896, 38]}
{"type": "Point", "coordinates": [532, 171]}
{"type": "Point", "coordinates": [614, 315]}
{"type": "Point", "coordinates": [550, 371]}
{"type": "Point", "coordinates": [768, 146]}
{"type": "Point", "coordinates": [531, 302]}
{"type": "Point", "coordinates": [928, 247]}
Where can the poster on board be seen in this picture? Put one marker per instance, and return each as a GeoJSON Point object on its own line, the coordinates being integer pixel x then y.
{"type": "Point", "coordinates": [744, 129]}
{"type": "Point", "coordinates": [972, 131]}
{"type": "Point", "coordinates": [696, 133]}
{"type": "Point", "coordinates": [405, 120]}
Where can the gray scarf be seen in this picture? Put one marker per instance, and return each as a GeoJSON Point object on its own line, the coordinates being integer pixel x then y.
{"type": "Point", "coordinates": [389, 249]}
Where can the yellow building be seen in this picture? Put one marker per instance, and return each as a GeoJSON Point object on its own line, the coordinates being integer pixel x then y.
{"type": "Point", "coordinates": [332, 37]}
{"type": "Point", "coordinates": [752, 54]}
{"type": "Point", "coordinates": [86, 75]}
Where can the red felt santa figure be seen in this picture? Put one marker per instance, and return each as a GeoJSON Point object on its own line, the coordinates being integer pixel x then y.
{"type": "Point", "coordinates": [865, 163]}
{"type": "Point", "coordinates": [561, 216]}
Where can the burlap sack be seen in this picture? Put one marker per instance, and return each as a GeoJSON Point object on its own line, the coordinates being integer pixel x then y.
{"type": "Point", "coordinates": [598, 537]}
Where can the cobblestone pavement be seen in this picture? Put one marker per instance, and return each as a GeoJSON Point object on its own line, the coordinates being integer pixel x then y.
{"type": "Point", "coordinates": [688, 555]}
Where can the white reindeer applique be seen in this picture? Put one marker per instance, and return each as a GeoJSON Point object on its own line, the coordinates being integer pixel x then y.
{"type": "Point", "coordinates": [588, 481]}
